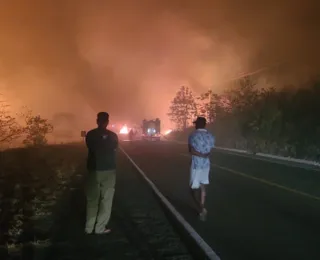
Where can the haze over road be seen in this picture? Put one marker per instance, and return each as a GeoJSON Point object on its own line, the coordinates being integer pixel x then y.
{"type": "Point", "coordinates": [257, 209]}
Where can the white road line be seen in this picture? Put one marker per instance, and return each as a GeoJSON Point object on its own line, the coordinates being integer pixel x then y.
{"type": "Point", "coordinates": [196, 237]}
{"type": "Point", "coordinates": [281, 161]}
{"type": "Point", "coordinates": [263, 181]}
{"type": "Point", "coordinates": [271, 160]}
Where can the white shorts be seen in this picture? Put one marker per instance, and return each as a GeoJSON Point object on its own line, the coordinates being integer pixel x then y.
{"type": "Point", "coordinates": [199, 176]}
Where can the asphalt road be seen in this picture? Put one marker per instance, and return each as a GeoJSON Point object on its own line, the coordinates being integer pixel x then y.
{"type": "Point", "coordinates": [256, 209]}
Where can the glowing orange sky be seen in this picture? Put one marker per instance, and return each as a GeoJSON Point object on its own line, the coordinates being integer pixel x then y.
{"type": "Point", "coordinates": [130, 57]}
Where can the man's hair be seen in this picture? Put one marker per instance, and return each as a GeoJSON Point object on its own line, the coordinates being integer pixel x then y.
{"type": "Point", "coordinates": [102, 117]}
{"type": "Point", "coordinates": [200, 122]}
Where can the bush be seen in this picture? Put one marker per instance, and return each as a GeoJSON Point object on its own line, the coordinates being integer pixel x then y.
{"type": "Point", "coordinates": [282, 122]}
{"type": "Point", "coordinates": [36, 130]}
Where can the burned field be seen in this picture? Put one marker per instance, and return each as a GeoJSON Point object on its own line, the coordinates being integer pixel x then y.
{"type": "Point", "coordinates": [32, 180]}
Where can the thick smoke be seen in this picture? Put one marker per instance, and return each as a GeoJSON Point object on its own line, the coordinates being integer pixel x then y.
{"type": "Point", "coordinates": [129, 57]}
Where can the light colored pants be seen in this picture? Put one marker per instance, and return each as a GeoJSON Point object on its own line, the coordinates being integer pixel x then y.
{"type": "Point", "coordinates": [100, 187]}
{"type": "Point", "coordinates": [198, 177]}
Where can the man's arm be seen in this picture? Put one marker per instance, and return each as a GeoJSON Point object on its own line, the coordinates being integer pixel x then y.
{"type": "Point", "coordinates": [212, 143]}
{"type": "Point", "coordinates": [116, 141]}
{"type": "Point", "coordinates": [88, 140]}
{"type": "Point", "coordinates": [194, 152]}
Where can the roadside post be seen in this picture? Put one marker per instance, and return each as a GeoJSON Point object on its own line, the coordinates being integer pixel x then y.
{"type": "Point", "coordinates": [83, 135]}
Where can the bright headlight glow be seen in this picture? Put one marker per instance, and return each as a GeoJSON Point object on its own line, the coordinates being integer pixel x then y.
{"type": "Point", "coordinates": [151, 130]}
{"type": "Point", "coordinates": [167, 132]}
{"type": "Point", "coordinates": [124, 130]}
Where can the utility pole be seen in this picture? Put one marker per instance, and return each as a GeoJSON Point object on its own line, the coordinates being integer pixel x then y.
{"type": "Point", "coordinates": [83, 135]}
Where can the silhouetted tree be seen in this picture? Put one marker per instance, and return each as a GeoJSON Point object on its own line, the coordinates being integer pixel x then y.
{"type": "Point", "coordinates": [209, 105]}
{"type": "Point", "coordinates": [283, 121]}
{"type": "Point", "coordinates": [183, 108]}
{"type": "Point", "coordinates": [36, 130]}
{"type": "Point", "coordinates": [9, 128]}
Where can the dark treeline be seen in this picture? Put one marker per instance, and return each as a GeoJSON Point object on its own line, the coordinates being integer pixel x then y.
{"type": "Point", "coordinates": [277, 121]}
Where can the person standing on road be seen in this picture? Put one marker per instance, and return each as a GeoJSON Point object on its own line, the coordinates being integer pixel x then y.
{"type": "Point", "coordinates": [200, 143]}
{"type": "Point", "coordinates": [101, 179]}
{"type": "Point", "coordinates": [130, 135]}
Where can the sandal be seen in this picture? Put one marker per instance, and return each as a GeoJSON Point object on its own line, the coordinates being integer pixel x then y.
{"type": "Point", "coordinates": [203, 215]}
{"type": "Point", "coordinates": [106, 231]}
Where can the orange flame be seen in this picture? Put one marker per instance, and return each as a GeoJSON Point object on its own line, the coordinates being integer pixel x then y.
{"type": "Point", "coordinates": [124, 130]}
{"type": "Point", "coordinates": [167, 132]}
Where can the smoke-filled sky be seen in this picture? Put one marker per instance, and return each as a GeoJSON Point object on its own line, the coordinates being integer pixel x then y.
{"type": "Point", "coordinates": [129, 57]}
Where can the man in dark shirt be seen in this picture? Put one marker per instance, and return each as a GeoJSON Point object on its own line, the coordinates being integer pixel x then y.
{"type": "Point", "coordinates": [101, 164]}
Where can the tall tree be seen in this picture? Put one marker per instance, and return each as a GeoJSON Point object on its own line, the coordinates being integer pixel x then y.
{"type": "Point", "coordinates": [243, 95]}
{"type": "Point", "coordinates": [183, 108]}
{"type": "Point", "coordinates": [9, 128]}
{"type": "Point", "coordinates": [36, 129]}
{"type": "Point", "coordinates": [209, 105]}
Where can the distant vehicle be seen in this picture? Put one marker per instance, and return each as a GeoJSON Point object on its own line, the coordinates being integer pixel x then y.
{"type": "Point", "coordinates": [151, 130]}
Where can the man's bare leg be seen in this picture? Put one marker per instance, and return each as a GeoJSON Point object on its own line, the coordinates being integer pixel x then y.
{"type": "Point", "coordinates": [202, 195]}
{"type": "Point", "coordinates": [203, 213]}
{"type": "Point", "coordinates": [195, 193]}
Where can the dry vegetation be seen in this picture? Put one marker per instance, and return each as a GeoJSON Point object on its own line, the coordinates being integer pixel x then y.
{"type": "Point", "coordinates": [31, 182]}
{"type": "Point", "coordinates": [43, 210]}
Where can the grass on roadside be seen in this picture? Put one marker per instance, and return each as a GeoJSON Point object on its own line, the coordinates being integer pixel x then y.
{"type": "Point", "coordinates": [32, 180]}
